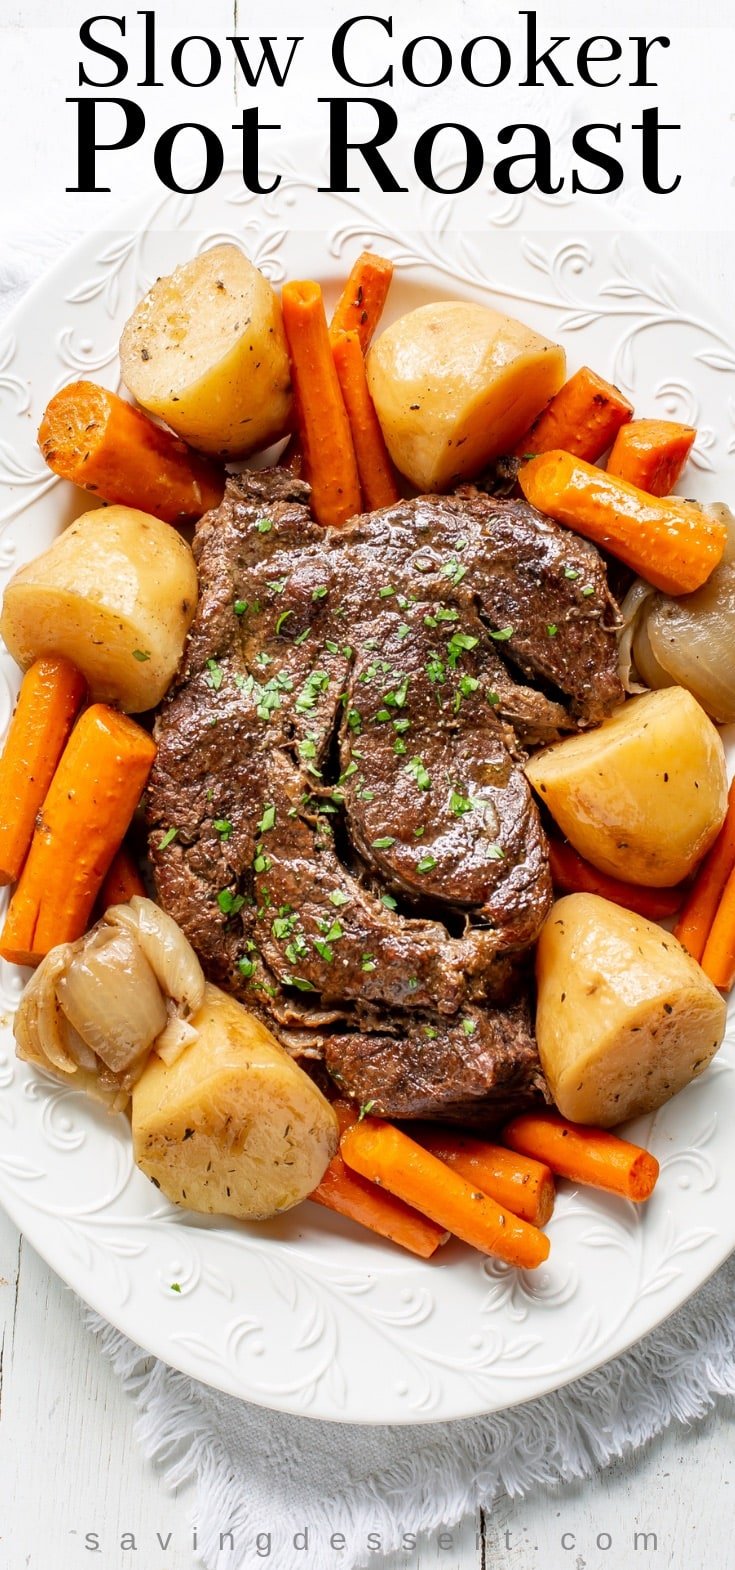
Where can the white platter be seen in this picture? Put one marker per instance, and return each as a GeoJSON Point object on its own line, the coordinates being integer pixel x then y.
{"type": "Point", "coordinates": [305, 1315]}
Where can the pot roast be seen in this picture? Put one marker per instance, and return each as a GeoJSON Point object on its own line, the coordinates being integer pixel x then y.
{"type": "Point", "coordinates": [339, 818]}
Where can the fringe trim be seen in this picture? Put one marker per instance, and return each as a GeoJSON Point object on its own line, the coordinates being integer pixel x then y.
{"type": "Point", "coordinates": [450, 1470]}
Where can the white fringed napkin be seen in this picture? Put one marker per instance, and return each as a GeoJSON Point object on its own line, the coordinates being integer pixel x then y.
{"type": "Point", "coordinates": [265, 1479]}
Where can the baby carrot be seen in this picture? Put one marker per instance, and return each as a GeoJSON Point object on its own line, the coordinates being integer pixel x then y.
{"type": "Point", "coordinates": [330, 465]}
{"type": "Point", "coordinates": [585, 1155]}
{"type": "Point", "coordinates": [51, 694]}
{"type": "Point", "coordinates": [651, 454]}
{"type": "Point", "coordinates": [524, 1187]}
{"type": "Point", "coordinates": [353, 1196]}
{"type": "Point", "coordinates": [122, 881]}
{"type": "Point", "coordinates": [583, 418]}
{"type": "Point", "coordinates": [571, 874]}
{"type": "Point", "coordinates": [386, 1156]}
{"type": "Point", "coordinates": [375, 469]}
{"type": "Point", "coordinates": [93, 438]}
{"type": "Point", "coordinates": [360, 305]}
{"type": "Point", "coordinates": [667, 540]}
{"type": "Point", "coordinates": [700, 908]}
{"type": "Point", "coordinates": [92, 798]}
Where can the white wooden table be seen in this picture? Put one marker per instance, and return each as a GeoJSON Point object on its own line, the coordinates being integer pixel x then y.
{"type": "Point", "coordinates": [68, 1458]}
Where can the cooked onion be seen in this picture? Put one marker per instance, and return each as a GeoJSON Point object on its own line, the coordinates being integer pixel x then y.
{"type": "Point", "coordinates": [38, 1022]}
{"type": "Point", "coordinates": [688, 641]}
{"type": "Point", "coordinates": [110, 995]}
{"type": "Point", "coordinates": [168, 952]}
{"type": "Point", "coordinates": [177, 1035]}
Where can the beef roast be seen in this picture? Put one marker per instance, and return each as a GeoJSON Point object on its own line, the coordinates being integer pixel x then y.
{"type": "Point", "coordinates": [356, 852]}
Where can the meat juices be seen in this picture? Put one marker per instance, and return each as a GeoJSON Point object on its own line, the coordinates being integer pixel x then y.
{"type": "Point", "coordinates": [357, 853]}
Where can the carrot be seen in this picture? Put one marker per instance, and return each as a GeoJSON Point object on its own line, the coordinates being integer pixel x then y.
{"type": "Point", "coordinates": [700, 907]}
{"type": "Point", "coordinates": [666, 540]}
{"type": "Point", "coordinates": [526, 1188]}
{"type": "Point", "coordinates": [573, 875]}
{"type": "Point", "coordinates": [330, 465]}
{"type": "Point", "coordinates": [353, 1196]}
{"type": "Point", "coordinates": [122, 881]}
{"type": "Point", "coordinates": [584, 1155]}
{"type": "Point", "coordinates": [386, 1156]}
{"type": "Point", "coordinates": [91, 800]}
{"type": "Point", "coordinates": [651, 454]}
{"type": "Point", "coordinates": [360, 305]}
{"type": "Point", "coordinates": [583, 418]}
{"type": "Point", "coordinates": [51, 694]}
{"type": "Point", "coordinates": [718, 959]}
{"type": "Point", "coordinates": [93, 438]}
{"type": "Point", "coordinates": [375, 469]}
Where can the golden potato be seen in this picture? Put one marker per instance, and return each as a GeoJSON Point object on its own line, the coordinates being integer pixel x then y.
{"type": "Point", "coordinates": [644, 796]}
{"type": "Point", "coordinates": [456, 384]}
{"type": "Point", "coordinates": [205, 350]}
{"type": "Point", "coordinates": [115, 593]}
{"type": "Point", "coordinates": [234, 1127]}
{"type": "Point", "coordinates": [625, 1017]}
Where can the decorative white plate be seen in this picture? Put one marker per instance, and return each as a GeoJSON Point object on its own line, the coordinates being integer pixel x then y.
{"type": "Point", "coordinates": [306, 1314]}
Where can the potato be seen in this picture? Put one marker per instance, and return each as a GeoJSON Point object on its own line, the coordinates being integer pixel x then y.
{"type": "Point", "coordinates": [644, 796]}
{"type": "Point", "coordinates": [115, 593]}
{"type": "Point", "coordinates": [205, 350]}
{"type": "Point", "coordinates": [625, 1017]}
{"type": "Point", "coordinates": [456, 384]}
{"type": "Point", "coordinates": [234, 1127]}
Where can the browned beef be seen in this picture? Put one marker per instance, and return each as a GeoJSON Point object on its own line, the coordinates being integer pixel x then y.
{"type": "Point", "coordinates": [357, 854]}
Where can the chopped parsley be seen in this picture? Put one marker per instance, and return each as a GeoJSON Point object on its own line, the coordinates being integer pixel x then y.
{"type": "Point", "coordinates": [386, 591]}
{"type": "Point", "coordinates": [435, 670]}
{"type": "Point", "coordinates": [588, 589]}
{"type": "Point", "coordinates": [431, 1032]}
{"type": "Point", "coordinates": [571, 572]}
{"type": "Point", "coordinates": [426, 864]}
{"type": "Point", "coordinates": [453, 570]}
{"type": "Point", "coordinates": [141, 654]}
{"type": "Point", "coordinates": [502, 635]}
{"type": "Point", "coordinates": [277, 585]}
{"type": "Point", "coordinates": [338, 898]}
{"type": "Point", "coordinates": [168, 839]}
{"type": "Point", "coordinates": [366, 1108]}
{"type": "Point", "coordinates": [399, 747]}
{"type": "Point", "coordinates": [552, 629]}
{"type": "Point", "coordinates": [307, 748]}
{"type": "Point", "coordinates": [264, 525]}
{"type": "Point", "coordinates": [175, 1286]}
{"type": "Point", "coordinates": [223, 827]}
{"type": "Point", "coordinates": [320, 592]}
{"type": "Point", "coordinates": [368, 964]}
{"type": "Point", "coordinates": [282, 618]}
{"type": "Point", "coordinates": [302, 637]}
{"type": "Point", "coordinates": [404, 630]}
{"type": "Point", "coordinates": [397, 698]}
{"type": "Point", "coordinates": [389, 902]}
{"type": "Point", "coordinates": [240, 607]}
{"type": "Point", "coordinates": [469, 1026]}
{"type": "Point", "coordinates": [215, 675]}
{"type": "Point", "coordinates": [268, 820]}
{"type": "Point", "coordinates": [495, 853]}
{"type": "Point", "coordinates": [230, 903]}
{"type": "Point", "coordinates": [458, 643]}
{"type": "Point", "coordinates": [384, 843]}
{"type": "Point", "coordinates": [315, 683]}
{"type": "Point", "coordinates": [300, 983]}
{"type": "Point", "coordinates": [460, 804]}
{"type": "Point", "coordinates": [324, 950]}
{"type": "Point", "coordinates": [246, 967]}
{"type": "Point", "coordinates": [418, 771]}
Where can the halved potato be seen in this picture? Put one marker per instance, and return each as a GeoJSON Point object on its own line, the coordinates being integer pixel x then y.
{"type": "Point", "coordinates": [234, 1127]}
{"type": "Point", "coordinates": [115, 593]}
{"type": "Point", "coordinates": [455, 385]}
{"type": "Point", "coordinates": [625, 1017]}
{"type": "Point", "coordinates": [644, 796]}
{"type": "Point", "coordinates": [205, 350]}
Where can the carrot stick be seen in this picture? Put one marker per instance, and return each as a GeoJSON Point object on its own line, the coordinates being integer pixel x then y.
{"type": "Point", "coordinates": [386, 1156]}
{"type": "Point", "coordinates": [377, 477]}
{"type": "Point", "coordinates": [330, 465]}
{"type": "Point", "coordinates": [665, 539]}
{"type": "Point", "coordinates": [651, 454]}
{"type": "Point", "coordinates": [360, 305]}
{"type": "Point", "coordinates": [583, 418]}
{"type": "Point", "coordinates": [584, 1155]}
{"type": "Point", "coordinates": [700, 908]}
{"type": "Point", "coordinates": [573, 875]}
{"type": "Point", "coordinates": [51, 694]}
{"type": "Point", "coordinates": [93, 438]}
{"type": "Point", "coordinates": [718, 959]}
{"type": "Point", "coordinates": [526, 1188]}
{"type": "Point", "coordinates": [122, 881]}
{"type": "Point", "coordinates": [92, 798]}
{"type": "Point", "coordinates": [353, 1196]}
